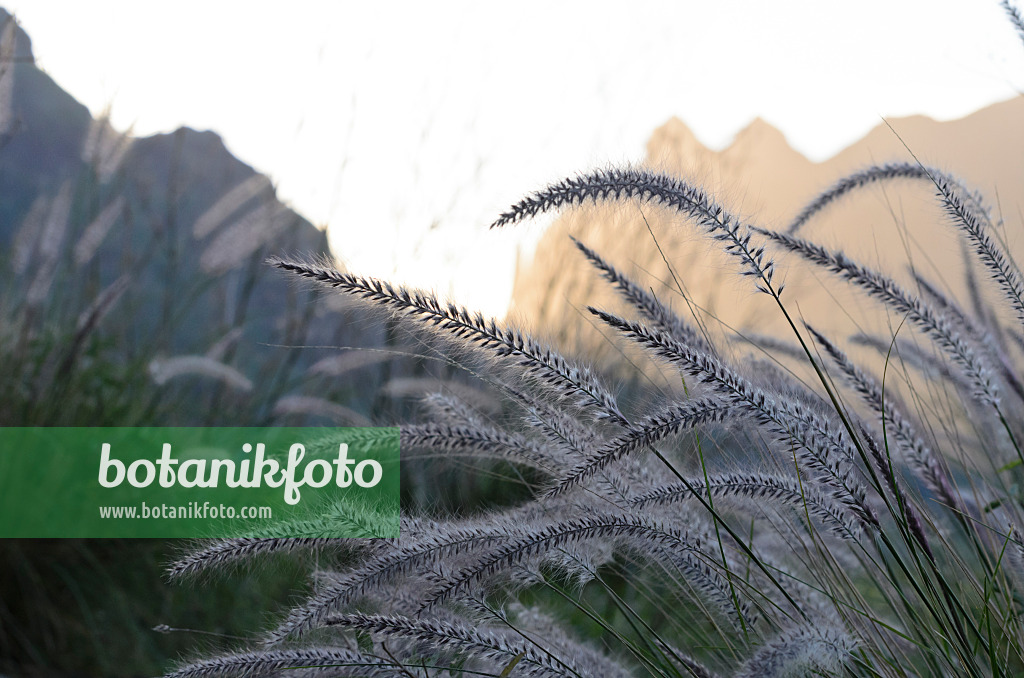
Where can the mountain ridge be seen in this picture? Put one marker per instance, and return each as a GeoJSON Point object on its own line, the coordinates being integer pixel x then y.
{"type": "Point", "coordinates": [170, 228]}
{"type": "Point", "coordinates": [762, 179]}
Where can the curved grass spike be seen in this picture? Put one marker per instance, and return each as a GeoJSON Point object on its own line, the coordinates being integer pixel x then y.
{"type": "Point", "coordinates": [446, 408]}
{"type": "Point", "coordinates": [929, 363]}
{"type": "Point", "coordinates": [992, 256]}
{"type": "Point", "coordinates": [276, 662]}
{"type": "Point", "coordinates": [805, 651]}
{"type": "Point", "coordinates": [645, 302]}
{"type": "Point", "coordinates": [873, 175]}
{"type": "Point", "coordinates": [982, 337]}
{"type": "Point", "coordinates": [663, 189]}
{"type": "Point", "coordinates": [559, 428]}
{"type": "Point", "coordinates": [573, 442]}
{"type": "Point", "coordinates": [445, 541]}
{"type": "Point", "coordinates": [886, 290]}
{"type": "Point", "coordinates": [921, 458]}
{"type": "Point", "coordinates": [965, 208]}
{"type": "Point", "coordinates": [554, 535]}
{"type": "Point", "coordinates": [852, 182]}
{"type": "Point", "coordinates": [715, 584]}
{"type": "Point", "coordinates": [457, 322]}
{"type": "Point", "coordinates": [782, 490]}
{"type": "Point", "coordinates": [477, 442]}
{"type": "Point", "coordinates": [883, 465]}
{"type": "Point", "coordinates": [681, 417]}
{"type": "Point", "coordinates": [693, 667]}
{"type": "Point", "coordinates": [461, 638]}
{"type": "Point", "coordinates": [224, 552]}
{"type": "Point", "coordinates": [552, 633]}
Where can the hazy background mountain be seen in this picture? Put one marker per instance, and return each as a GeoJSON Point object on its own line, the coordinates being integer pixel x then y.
{"type": "Point", "coordinates": [178, 222]}
{"type": "Point", "coordinates": [760, 177]}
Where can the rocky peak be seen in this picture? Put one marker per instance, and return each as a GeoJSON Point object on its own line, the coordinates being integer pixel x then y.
{"type": "Point", "coordinates": [759, 138]}
{"type": "Point", "coordinates": [22, 43]}
{"type": "Point", "coordinates": [673, 146]}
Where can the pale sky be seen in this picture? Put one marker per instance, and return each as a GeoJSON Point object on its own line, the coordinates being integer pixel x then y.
{"type": "Point", "coordinates": [406, 127]}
